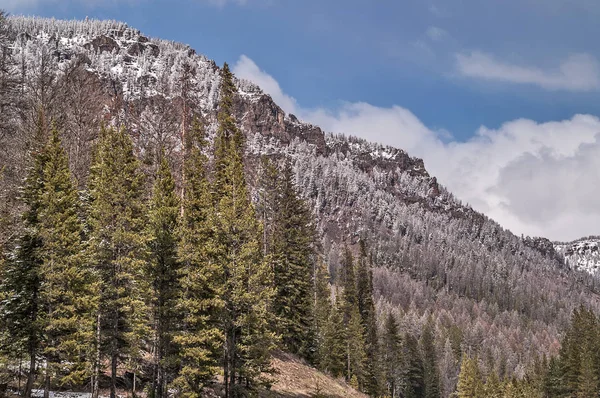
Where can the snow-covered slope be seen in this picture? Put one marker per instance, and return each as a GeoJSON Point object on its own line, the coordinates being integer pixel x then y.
{"type": "Point", "coordinates": [582, 254]}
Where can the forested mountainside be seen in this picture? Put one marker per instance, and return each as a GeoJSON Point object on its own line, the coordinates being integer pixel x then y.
{"type": "Point", "coordinates": [438, 263]}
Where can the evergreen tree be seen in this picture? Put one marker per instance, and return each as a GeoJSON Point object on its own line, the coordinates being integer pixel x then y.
{"type": "Point", "coordinates": [118, 247]}
{"type": "Point", "coordinates": [355, 343]}
{"type": "Point", "coordinates": [493, 387]}
{"type": "Point", "coordinates": [430, 366]}
{"type": "Point", "coordinates": [248, 288]}
{"type": "Point", "coordinates": [200, 338]}
{"type": "Point", "coordinates": [470, 384]}
{"type": "Point", "coordinates": [413, 383]}
{"type": "Point", "coordinates": [68, 287]}
{"type": "Point", "coordinates": [349, 283]}
{"type": "Point", "coordinates": [554, 385]}
{"type": "Point", "coordinates": [366, 306]}
{"type": "Point", "coordinates": [334, 356]}
{"type": "Point", "coordinates": [21, 308]}
{"type": "Point", "coordinates": [163, 272]}
{"type": "Point", "coordinates": [322, 308]}
{"type": "Point", "coordinates": [293, 258]}
{"type": "Point", "coordinates": [392, 356]}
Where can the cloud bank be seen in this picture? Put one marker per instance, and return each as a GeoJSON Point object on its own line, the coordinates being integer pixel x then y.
{"type": "Point", "coordinates": [538, 179]}
{"type": "Point", "coordinates": [579, 72]}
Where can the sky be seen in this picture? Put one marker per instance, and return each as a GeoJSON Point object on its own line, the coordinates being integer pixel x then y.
{"type": "Point", "coordinates": [500, 98]}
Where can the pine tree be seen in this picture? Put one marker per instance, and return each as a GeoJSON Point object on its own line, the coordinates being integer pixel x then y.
{"type": "Point", "coordinates": [349, 283]}
{"type": "Point", "coordinates": [322, 308]}
{"type": "Point", "coordinates": [588, 386]}
{"type": "Point", "coordinates": [366, 307]}
{"type": "Point", "coordinates": [20, 283]}
{"type": "Point", "coordinates": [200, 338]}
{"type": "Point", "coordinates": [493, 387]}
{"type": "Point", "coordinates": [249, 291]}
{"type": "Point", "coordinates": [353, 322]}
{"type": "Point", "coordinates": [356, 353]}
{"type": "Point", "coordinates": [554, 385]}
{"type": "Point", "coordinates": [68, 287]}
{"type": "Point", "coordinates": [430, 366]}
{"type": "Point", "coordinates": [163, 272]}
{"type": "Point", "coordinates": [392, 356]}
{"type": "Point", "coordinates": [470, 384]}
{"type": "Point", "coordinates": [118, 247]}
{"type": "Point", "coordinates": [334, 355]}
{"type": "Point", "coordinates": [413, 383]}
{"type": "Point", "coordinates": [293, 257]}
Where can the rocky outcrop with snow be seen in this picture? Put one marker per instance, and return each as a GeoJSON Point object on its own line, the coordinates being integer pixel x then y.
{"type": "Point", "coordinates": [582, 254]}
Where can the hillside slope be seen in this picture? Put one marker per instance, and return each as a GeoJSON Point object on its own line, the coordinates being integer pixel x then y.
{"type": "Point", "coordinates": [436, 258]}
{"type": "Point", "coordinates": [296, 379]}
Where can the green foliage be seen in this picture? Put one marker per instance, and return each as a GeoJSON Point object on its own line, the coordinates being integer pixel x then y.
{"type": "Point", "coordinates": [118, 246]}
{"type": "Point", "coordinates": [355, 343]}
{"type": "Point", "coordinates": [470, 383]}
{"type": "Point", "coordinates": [366, 307]}
{"type": "Point", "coordinates": [333, 357]}
{"type": "Point", "coordinates": [200, 338]}
{"type": "Point", "coordinates": [575, 371]}
{"type": "Point", "coordinates": [21, 307]}
{"type": "Point", "coordinates": [493, 387]}
{"type": "Point", "coordinates": [293, 258]}
{"type": "Point", "coordinates": [248, 284]}
{"type": "Point", "coordinates": [322, 309]}
{"type": "Point", "coordinates": [430, 366]}
{"type": "Point", "coordinates": [413, 383]}
{"type": "Point", "coordinates": [392, 359]}
{"type": "Point", "coordinates": [68, 288]}
{"type": "Point", "coordinates": [163, 270]}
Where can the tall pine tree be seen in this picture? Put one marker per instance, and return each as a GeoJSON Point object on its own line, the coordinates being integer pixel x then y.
{"type": "Point", "coordinates": [118, 248]}
{"type": "Point", "coordinates": [21, 307]}
{"type": "Point", "coordinates": [470, 383]}
{"type": "Point", "coordinates": [68, 285]}
{"type": "Point", "coordinates": [293, 258]}
{"type": "Point", "coordinates": [430, 365]}
{"type": "Point", "coordinates": [200, 338]}
{"type": "Point", "coordinates": [392, 356]}
{"type": "Point", "coordinates": [163, 271]}
{"type": "Point", "coordinates": [366, 307]}
{"type": "Point", "coordinates": [248, 288]}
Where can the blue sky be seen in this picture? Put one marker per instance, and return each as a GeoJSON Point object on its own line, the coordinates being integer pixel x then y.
{"type": "Point", "coordinates": [384, 53]}
{"type": "Point", "coordinates": [500, 97]}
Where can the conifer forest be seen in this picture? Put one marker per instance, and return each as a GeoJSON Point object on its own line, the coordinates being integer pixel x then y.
{"type": "Point", "coordinates": [166, 230]}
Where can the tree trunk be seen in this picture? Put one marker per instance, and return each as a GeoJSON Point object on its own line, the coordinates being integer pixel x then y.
{"type": "Point", "coordinates": [96, 377]}
{"type": "Point", "coordinates": [113, 374]}
{"type": "Point", "coordinates": [47, 381]}
{"type": "Point", "coordinates": [226, 367]}
{"type": "Point", "coordinates": [31, 375]}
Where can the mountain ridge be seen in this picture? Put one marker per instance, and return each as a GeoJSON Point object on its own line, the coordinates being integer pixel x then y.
{"type": "Point", "coordinates": [434, 256]}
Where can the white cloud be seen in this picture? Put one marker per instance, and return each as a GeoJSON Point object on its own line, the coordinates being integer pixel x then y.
{"type": "Point", "coordinates": [223, 3]}
{"type": "Point", "coordinates": [579, 72]}
{"type": "Point", "coordinates": [435, 34]}
{"type": "Point", "coordinates": [539, 179]}
{"type": "Point", "coordinates": [245, 68]}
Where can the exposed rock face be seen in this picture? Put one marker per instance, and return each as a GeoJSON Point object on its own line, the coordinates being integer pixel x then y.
{"type": "Point", "coordinates": [582, 254]}
{"type": "Point", "coordinates": [542, 245]}
{"type": "Point", "coordinates": [103, 44]}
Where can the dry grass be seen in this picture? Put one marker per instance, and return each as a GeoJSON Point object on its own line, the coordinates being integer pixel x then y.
{"type": "Point", "coordinates": [298, 380]}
